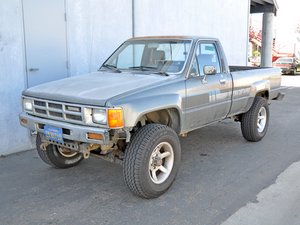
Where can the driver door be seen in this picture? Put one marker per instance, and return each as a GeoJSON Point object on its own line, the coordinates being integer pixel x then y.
{"type": "Point", "coordinates": [208, 97]}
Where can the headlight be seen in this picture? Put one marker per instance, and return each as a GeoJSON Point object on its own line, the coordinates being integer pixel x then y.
{"type": "Point", "coordinates": [112, 117]}
{"type": "Point", "coordinates": [27, 104]}
{"type": "Point", "coordinates": [99, 116]}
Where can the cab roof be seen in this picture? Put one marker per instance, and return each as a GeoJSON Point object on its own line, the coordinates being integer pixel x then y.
{"type": "Point", "coordinates": [184, 37]}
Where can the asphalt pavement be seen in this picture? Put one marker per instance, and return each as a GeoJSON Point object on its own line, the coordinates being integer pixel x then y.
{"type": "Point", "coordinates": [222, 179]}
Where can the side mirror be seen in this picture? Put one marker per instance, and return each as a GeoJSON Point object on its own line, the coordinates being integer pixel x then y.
{"type": "Point", "coordinates": [209, 70]}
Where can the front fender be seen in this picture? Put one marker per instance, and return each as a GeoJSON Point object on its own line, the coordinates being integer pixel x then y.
{"type": "Point", "coordinates": [135, 109]}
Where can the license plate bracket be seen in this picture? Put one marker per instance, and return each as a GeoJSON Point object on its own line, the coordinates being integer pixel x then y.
{"type": "Point", "coordinates": [53, 133]}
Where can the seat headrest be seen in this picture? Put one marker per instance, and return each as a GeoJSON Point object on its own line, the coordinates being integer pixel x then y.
{"type": "Point", "coordinates": [158, 55]}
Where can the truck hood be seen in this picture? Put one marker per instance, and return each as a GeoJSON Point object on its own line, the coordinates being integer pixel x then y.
{"type": "Point", "coordinates": [94, 88]}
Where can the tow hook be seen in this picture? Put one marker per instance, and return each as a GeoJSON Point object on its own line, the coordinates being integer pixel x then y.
{"type": "Point", "coordinates": [85, 149]}
{"type": "Point", "coordinates": [44, 146]}
{"type": "Point", "coordinates": [86, 154]}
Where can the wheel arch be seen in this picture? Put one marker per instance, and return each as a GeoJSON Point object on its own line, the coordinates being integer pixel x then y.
{"type": "Point", "coordinates": [259, 88]}
{"type": "Point", "coordinates": [263, 93]}
{"type": "Point", "coordinates": [170, 117]}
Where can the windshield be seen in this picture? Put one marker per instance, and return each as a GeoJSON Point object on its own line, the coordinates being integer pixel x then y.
{"type": "Point", "coordinates": [161, 56]}
{"type": "Point", "coordinates": [284, 60]}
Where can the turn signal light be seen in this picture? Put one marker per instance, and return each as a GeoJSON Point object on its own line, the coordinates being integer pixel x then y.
{"type": "Point", "coordinates": [115, 118]}
{"type": "Point", "coordinates": [95, 136]}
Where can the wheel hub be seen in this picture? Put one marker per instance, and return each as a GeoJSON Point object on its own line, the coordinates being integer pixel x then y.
{"type": "Point", "coordinates": [157, 161]}
{"type": "Point", "coordinates": [161, 162]}
{"type": "Point", "coordinates": [261, 119]}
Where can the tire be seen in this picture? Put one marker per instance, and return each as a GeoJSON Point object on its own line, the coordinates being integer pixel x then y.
{"type": "Point", "coordinates": [253, 127]}
{"type": "Point", "coordinates": [141, 166]}
{"type": "Point", "coordinates": [53, 156]}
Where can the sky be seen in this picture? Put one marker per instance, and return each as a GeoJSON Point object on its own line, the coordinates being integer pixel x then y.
{"type": "Point", "coordinates": [285, 24]}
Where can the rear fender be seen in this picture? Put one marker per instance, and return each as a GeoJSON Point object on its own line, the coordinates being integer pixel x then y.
{"type": "Point", "coordinates": [256, 88]}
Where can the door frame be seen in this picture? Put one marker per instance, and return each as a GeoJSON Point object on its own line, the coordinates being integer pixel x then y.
{"type": "Point", "coordinates": [199, 80]}
{"type": "Point", "coordinates": [26, 75]}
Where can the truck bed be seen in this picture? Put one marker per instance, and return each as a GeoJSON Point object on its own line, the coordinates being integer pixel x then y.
{"type": "Point", "coordinates": [246, 79]}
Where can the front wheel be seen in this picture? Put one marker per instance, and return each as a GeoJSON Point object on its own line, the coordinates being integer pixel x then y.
{"type": "Point", "coordinates": [58, 157]}
{"type": "Point", "coordinates": [151, 160]}
{"type": "Point", "coordinates": [255, 122]}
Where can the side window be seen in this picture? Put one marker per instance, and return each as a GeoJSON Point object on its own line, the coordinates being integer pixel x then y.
{"type": "Point", "coordinates": [208, 56]}
{"type": "Point", "coordinates": [175, 55]}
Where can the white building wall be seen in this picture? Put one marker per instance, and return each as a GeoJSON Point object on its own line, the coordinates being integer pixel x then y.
{"type": "Point", "coordinates": [13, 137]}
{"type": "Point", "coordinates": [95, 28]}
{"type": "Point", "coordinates": [226, 20]}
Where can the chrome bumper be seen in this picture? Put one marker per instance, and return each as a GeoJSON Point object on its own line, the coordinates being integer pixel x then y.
{"type": "Point", "coordinates": [70, 131]}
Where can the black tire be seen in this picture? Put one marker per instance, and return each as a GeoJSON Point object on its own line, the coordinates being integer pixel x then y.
{"type": "Point", "coordinates": [250, 120]}
{"type": "Point", "coordinates": [54, 158]}
{"type": "Point", "coordinates": [139, 152]}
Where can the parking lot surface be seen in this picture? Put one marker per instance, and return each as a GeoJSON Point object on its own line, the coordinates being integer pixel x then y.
{"type": "Point", "coordinates": [220, 174]}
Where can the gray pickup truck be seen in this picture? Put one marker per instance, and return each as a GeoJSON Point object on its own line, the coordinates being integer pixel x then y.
{"type": "Point", "coordinates": [149, 92]}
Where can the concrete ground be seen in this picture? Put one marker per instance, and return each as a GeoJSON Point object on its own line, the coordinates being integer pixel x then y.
{"type": "Point", "coordinates": [276, 205]}
{"type": "Point", "coordinates": [223, 179]}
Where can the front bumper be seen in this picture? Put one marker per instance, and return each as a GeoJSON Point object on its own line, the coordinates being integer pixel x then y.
{"type": "Point", "coordinates": [70, 131]}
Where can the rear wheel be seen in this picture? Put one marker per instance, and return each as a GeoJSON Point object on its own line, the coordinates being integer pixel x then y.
{"type": "Point", "coordinates": [56, 156]}
{"type": "Point", "coordinates": [151, 160]}
{"type": "Point", "coordinates": [255, 122]}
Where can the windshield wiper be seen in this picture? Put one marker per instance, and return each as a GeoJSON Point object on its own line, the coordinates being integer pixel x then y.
{"type": "Point", "coordinates": [161, 73]}
{"type": "Point", "coordinates": [143, 68]}
{"type": "Point", "coordinates": [111, 67]}
{"type": "Point", "coordinates": [150, 68]}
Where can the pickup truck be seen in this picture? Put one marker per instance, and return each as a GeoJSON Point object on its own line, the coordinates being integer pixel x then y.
{"type": "Point", "coordinates": [149, 92]}
{"type": "Point", "coordinates": [288, 65]}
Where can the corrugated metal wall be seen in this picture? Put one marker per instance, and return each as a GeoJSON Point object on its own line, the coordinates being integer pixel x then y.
{"type": "Point", "coordinates": [13, 138]}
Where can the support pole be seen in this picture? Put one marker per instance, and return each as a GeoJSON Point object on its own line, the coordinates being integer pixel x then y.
{"type": "Point", "coordinates": [267, 39]}
{"type": "Point", "coordinates": [133, 18]}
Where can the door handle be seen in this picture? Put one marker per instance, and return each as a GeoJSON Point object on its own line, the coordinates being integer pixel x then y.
{"type": "Point", "coordinates": [33, 69]}
{"type": "Point", "coordinates": [222, 81]}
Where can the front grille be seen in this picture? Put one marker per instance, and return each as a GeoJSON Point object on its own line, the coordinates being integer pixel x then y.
{"type": "Point", "coordinates": [56, 114]}
{"type": "Point", "coordinates": [41, 111]}
{"type": "Point", "coordinates": [39, 103]}
{"type": "Point", "coordinates": [73, 117]}
{"type": "Point", "coordinates": [58, 111]}
{"type": "Point", "coordinates": [55, 105]}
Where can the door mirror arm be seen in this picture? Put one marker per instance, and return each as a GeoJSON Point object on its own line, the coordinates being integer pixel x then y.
{"type": "Point", "coordinates": [204, 81]}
